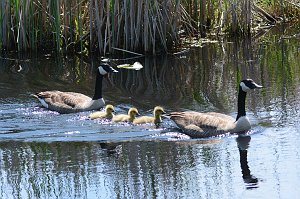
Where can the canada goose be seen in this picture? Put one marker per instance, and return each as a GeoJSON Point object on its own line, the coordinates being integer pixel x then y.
{"type": "Point", "coordinates": [126, 118]}
{"type": "Point", "coordinates": [157, 112]}
{"type": "Point", "coordinates": [70, 102]}
{"type": "Point", "coordinates": [107, 114]}
{"type": "Point", "coordinates": [199, 125]}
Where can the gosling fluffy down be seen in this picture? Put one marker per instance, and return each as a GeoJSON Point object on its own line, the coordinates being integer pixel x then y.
{"type": "Point", "coordinates": [157, 112]}
{"type": "Point", "coordinates": [126, 118]}
{"type": "Point", "coordinates": [107, 114]}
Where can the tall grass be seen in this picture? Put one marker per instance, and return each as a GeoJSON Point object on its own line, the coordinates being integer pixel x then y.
{"type": "Point", "coordinates": [145, 26]}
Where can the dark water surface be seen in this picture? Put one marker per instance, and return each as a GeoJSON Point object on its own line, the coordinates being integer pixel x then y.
{"type": "Point", "coordinates": [47, 155]}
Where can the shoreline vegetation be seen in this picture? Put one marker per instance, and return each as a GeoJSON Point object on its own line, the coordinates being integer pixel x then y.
{"type": "Point", "coordinates": [139, 27]}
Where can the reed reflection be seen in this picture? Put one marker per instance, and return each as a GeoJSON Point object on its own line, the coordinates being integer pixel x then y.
{"type": "Point", "coordinates": [157, 83]}
{"type": "Point", "coordinates": [243, 144]}
{"type": "Point", "coordinates": [202, 79]}
{"type": "Point", "coordinates": [85, 169]}
{"type": "Point", "coordinates": [55, 170]}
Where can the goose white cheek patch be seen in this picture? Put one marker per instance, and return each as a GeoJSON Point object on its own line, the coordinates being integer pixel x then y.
{"type": "Point", "coordinates": [44, 104]}
{"type": "Point", "coordinates": [102, 71]}
{"type": "Point", "coordinates": [244, 87]}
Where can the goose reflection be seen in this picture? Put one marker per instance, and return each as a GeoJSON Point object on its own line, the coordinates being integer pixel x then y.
{"type": "Point", "coordinates": [111, 147]}
{"type": "Point", "coordinates": [243, 145]}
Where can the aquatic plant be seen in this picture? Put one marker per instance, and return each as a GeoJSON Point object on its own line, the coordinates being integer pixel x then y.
{"type": "Point", "coordinates": [148, 26]}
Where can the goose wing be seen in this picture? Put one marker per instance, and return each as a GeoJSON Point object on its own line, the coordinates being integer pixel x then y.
{"type": "Point", "coordinates": [198, 124]}
{"type": "Point", "coordinates": [221, 116]}
{"type": "Point", "coordinates": [74, 94]}
{"type": "Point", "coordinates": [59, 99]}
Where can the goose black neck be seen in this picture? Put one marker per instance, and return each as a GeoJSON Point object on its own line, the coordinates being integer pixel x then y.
{"type": "Point", "coordinates": [241, 104]}
{"type": "Point", "coordinates": [98, 86]}
{"type": "Point", "coordinates": [244, 164]}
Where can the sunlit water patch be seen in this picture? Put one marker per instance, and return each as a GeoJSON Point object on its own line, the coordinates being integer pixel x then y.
{"type": "Point", "coordinates": [28, 122]}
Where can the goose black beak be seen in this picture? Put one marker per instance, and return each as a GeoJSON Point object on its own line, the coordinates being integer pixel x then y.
{"type": "Point", "coordinates": [114, 70]}
{"type": "Point", "coordinates": [258, 86]}
{"type": "Point", "coordinates": [105, 60]}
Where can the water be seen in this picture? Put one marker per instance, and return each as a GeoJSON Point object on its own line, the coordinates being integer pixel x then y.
{"type": "Point", "coordinates": [47, 155]}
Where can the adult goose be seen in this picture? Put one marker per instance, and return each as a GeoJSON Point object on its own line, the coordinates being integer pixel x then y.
{"type": "Point", "coordinates": [107, 114]}
{"type": "Point", "coordinates": [156, 119]}
{"type": "Point", "coordinates": [71, 102]}
{"type": "Point", "coordinates": [200, 125]}
{"type": "Point", "coordinates": [132, 112]}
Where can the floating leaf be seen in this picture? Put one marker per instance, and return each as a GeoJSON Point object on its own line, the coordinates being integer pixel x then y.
{"type": "Point", "coordinates": [135, 66]}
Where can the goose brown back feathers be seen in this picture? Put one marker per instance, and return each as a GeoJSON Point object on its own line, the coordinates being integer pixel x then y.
{"type": "Point", "coordinates": [200, 125]}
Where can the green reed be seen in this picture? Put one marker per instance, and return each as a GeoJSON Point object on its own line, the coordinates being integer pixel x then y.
{"type": "Point", "coordinates": [147, 26]}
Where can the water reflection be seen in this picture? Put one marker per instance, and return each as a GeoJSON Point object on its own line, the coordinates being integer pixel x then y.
{"type": "Point", "coordinates": [84, 170]}
{"type": "Point", "coordinates": [48, 171]}
{"type": "Point", "coordinates": [202, 79]}
{"type": "Point", "coordinates": [110, 147]}
{"type": "Point", "coordinates": [45, 72]}
{"type": "Point", "coordinates": [154, 169]}
{"type": "Point", "coordinates": [207, 78]}
{"type": "Point", "coordinates": [94, 159]}
{"type": "Point", "coordinates": [243, 145]}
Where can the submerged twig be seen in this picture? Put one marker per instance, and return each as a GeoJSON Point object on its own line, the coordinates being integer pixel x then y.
{"type": "Point", "coordinates": [181, 52]}
{"type": "Point", "coordinates": [129, 58]}
{"type": "Point", "coordinates": [127, 51]}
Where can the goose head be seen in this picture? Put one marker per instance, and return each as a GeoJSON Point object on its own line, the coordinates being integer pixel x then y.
{"type": "Point", "coordinates": [248, 84]}
{"type": "Point", "coordinates": [105, 68]}
{"type": "Point", "coordinates": [102, 71]}
{"type": "Point", "coordinates": [245, 86]}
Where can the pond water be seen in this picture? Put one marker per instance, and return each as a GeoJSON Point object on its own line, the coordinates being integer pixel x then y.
{"type": "Point", "coordinates": [44, 154]}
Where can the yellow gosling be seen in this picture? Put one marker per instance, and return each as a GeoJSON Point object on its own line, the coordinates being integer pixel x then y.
{"type": "Point", "coordinates": [158, 111]}
{"type": "Point", "coordinates": [107, 114]}
{"type": "Point", "coordinates": [126, 118]}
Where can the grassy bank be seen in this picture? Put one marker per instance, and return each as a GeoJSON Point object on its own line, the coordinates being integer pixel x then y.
{"type": "Point", "coordinates": [148, 26]}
